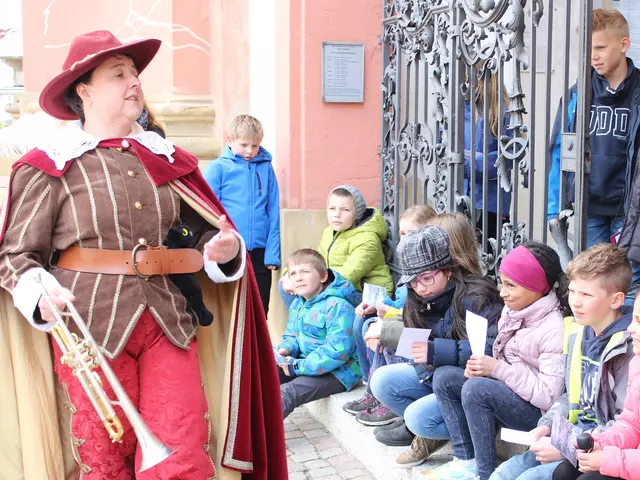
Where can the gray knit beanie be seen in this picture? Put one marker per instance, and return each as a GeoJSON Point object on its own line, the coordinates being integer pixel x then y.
{"type": "Point", "coordinates": [358, 199]}
{"type": "Point", "coordinates": [422, 250]}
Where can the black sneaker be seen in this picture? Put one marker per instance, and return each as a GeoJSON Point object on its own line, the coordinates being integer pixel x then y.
{"type": "Point", "coordinates": [396, 437]}
{"type": "Point", "coordinates": [376, 417]}
{"type": "Point", "coordinates": [398, 422]}
{"type": "Point", "coordinates": [361, 405]}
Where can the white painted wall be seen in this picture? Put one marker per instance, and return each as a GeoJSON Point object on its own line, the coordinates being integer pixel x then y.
{"type": "Point", "coordinates": [262, 68]}
{"type": "Point", "coordinates": [10, 14]}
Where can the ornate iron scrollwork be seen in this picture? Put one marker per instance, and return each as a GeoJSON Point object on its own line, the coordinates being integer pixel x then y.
{"type": "Point", "coordinates": [418, 34]}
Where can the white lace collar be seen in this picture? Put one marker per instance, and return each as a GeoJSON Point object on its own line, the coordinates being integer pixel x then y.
{"type": "Point", "coordinates": [70, 141]}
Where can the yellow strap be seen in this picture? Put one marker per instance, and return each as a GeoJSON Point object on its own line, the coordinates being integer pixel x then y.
{"type": "Point", "coordinates": [575, 367]}
{"type": "Point", "coordinates": [393, 312]}
{"type": "Point", "coordinates": [570, 326]}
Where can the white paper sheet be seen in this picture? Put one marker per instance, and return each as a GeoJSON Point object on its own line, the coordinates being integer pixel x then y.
{"type": "Point", "coordinates": [373, 294]}
{"type": "Point", "coordinates": [517, 436]}
{"type": "Point", "coordinates": [476, 333]}
{"type": "Point", "coordinates": [408, 337]}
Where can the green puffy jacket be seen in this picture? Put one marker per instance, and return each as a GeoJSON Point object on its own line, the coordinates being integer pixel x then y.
{"type": "Point", "coordinates": [357, 253]}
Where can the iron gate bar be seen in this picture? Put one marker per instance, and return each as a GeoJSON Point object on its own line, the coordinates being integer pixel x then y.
{"type": "Point", "coordinates": [451, 45]}
{"type": "Point", "coordinates": [583, 113]}
{"type": "Point", "coordinates": [547, 123]}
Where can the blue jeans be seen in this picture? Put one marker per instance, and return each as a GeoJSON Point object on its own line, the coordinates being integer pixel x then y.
{"type": "Point", "coordinates": [365, 354]}
{"type": "Point", "coordinates": [525, 467]}
{"type": "Point", "coordinates": [401, 391]}
{"type": "Point", "coordinates": [471, 408]}
{"type": "Point", "coordinates": [635, 284]}
{"type": "Point", "coordinates": [600, 228]}
{"type": "Point", "coordinates": [381, 359]}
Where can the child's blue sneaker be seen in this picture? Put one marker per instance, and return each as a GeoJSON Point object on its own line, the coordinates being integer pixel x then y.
{"type": "Point", "coordinates": [454, 470]}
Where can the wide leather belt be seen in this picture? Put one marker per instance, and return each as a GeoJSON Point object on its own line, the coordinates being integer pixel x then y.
{"type": "Point", "coordinates": [143, 261]}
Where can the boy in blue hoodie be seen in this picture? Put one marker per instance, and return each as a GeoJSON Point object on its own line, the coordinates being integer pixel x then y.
{"type": "Point", "coordinates": [597, 350]}
{"type": "Point", "coordinates": [246, 184]}
{"type": "Point", "coordinates": [614, 124]}
{"type": "Point", "coordinates": [317, 356]}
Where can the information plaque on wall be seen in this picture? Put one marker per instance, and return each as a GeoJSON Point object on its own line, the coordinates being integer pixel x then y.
{"type": "Point", "coordinates": [342, 72]}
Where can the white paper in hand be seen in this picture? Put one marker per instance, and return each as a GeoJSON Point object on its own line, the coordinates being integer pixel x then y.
{"type": "Point", "coordinates": [408, 337]}
{"type": "Point", "coordinates": [517, 436]}
{"type": "Point", "coordinates": [476, 333]}
{"type": "Point", "coordinates": [373, 294]}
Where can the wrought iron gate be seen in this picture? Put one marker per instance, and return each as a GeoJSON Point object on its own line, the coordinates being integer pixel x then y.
{"type": "Point", "coordinates": [443, 60]}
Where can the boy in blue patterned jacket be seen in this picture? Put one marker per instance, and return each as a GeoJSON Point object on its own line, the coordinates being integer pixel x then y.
{"type": "Point", "coordinates": [318, 346]}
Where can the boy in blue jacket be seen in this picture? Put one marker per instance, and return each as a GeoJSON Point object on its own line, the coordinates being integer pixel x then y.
{"type": "Point", "coordinates": [614, 124]}
{"type": "Point", "coordinates": [246, 184]}
{"type": "Point", "coordinates": [318, 346]}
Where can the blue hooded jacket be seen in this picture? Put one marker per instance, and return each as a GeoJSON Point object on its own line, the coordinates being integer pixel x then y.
{"type": "Point", "coordinates": [492, 171]}
{"type": "Point", "coordinates": [319, 335]}
{"type": "Point", "coordinates": [613, 127]}
{"type": "Point", "coordinates": [400, 297]}
{"type": "Point", "coordinates": [249, 193]}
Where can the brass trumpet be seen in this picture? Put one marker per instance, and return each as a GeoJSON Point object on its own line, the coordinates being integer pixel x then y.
{"type": "Point", "coordinates": [83, 356]}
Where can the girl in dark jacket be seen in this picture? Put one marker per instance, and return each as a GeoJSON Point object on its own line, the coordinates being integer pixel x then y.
{"type": "Point", "coordinates": [439, 296]}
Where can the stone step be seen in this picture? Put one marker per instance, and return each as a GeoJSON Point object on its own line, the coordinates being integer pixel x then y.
{"type": "Point", "coordinates": [359, 441]}
{"type": "Point", "coordinates": [379, 459]}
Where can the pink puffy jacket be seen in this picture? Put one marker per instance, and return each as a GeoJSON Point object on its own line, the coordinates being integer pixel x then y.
{"type": "Point", "coordinates": [621, 442]}
{"type": "Point", "coordinates": [529, 351]}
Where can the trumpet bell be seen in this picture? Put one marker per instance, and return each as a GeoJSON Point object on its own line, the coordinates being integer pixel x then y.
{"type": "Point", "coordinates": [154, 452]}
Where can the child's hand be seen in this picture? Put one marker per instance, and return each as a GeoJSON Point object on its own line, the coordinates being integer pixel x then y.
{"type": "Point", "coordinates": [286, 284]}
{"type": "Point", "coordinates": [381, 310]}
{"type": "Point", "coordinates": [365, 309]}
{"type": "Point", "coordinates": [282, 352]}
{"type": "Point", "coordinates": [374, 330]}
{"type": "Point", "coordinates": [419, 351]}
{"type": "Point", "coordinates": [545, 452]}
{"type": "Point", "coordinates": [480, 366]}
{"type": "Point", "coordinates": [285, 368]}
{"type": "Point", "coordinates": [372, 337]}
{"type": "Point", "coordinates": [271, 267]}
{"type": "Point", "coordinates": [590, 462]}
{"type": "Point", "coordinates": [374, 344]}
{"type": "Point", "coordinates": [540, 432]}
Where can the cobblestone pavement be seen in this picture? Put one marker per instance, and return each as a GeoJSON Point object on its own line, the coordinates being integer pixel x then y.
{"type": "Point", "coordinates": [312, 452]}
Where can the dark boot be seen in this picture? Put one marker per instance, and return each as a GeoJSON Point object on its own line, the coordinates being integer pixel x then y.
{"type": "Point", "coordinates": [399, 422]}
{"type": "Point", "coordinates": [396, 437]}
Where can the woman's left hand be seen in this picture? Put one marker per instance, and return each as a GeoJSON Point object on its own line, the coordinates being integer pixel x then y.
{"type": "Point", "coordinates": [480, 366]}
{"type": "Point", "coordinates": [419, 352]}
{"type": "Point", "coordinates": [589, 462]}
{"type": "Point", "coordinates": [224, 247]}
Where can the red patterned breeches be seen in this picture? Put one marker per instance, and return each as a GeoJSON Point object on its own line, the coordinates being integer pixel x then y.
{"type": "Point", "coordinates": [163, 382]}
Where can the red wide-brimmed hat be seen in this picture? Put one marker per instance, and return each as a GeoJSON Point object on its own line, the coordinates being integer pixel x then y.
{"type": "Point", "coordinates": [85, 53]}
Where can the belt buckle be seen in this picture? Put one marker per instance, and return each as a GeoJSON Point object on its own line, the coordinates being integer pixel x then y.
{"type": "Point", "coordinates": [134, 264]}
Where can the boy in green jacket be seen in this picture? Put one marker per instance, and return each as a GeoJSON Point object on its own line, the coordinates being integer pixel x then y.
{"type": "Point", "coordinates": [352, 243]}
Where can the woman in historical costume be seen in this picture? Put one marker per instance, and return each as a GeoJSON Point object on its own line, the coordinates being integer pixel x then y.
{"type": "Point", "coordinates": [87, 213]}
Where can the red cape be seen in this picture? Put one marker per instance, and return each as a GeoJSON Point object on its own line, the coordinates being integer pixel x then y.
{"type": "Point", "coordinates": [260, 429]}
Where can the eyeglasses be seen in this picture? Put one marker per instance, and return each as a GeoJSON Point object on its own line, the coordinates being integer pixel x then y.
{"type": "Point", "coordinates": [426, 280]}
